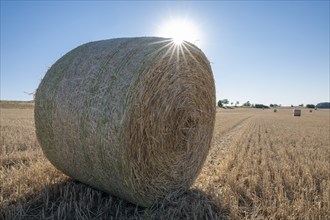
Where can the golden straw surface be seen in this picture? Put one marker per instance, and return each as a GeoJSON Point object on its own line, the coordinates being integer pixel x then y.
{"type": "Point", "coordinates": [130, 116]}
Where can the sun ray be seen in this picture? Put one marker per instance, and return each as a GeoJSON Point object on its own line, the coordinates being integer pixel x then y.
{"type": "Point", "coordinates": [186, 47]}
{"type": "Point", "coordinates": [176, 51]}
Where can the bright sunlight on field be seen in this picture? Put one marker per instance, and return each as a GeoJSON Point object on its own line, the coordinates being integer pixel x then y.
{"type": "Point", "coordinates": [261, 165]}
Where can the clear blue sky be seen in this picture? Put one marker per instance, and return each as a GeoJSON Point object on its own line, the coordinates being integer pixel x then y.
{"type": "Point", "coordinates": [262, 52]}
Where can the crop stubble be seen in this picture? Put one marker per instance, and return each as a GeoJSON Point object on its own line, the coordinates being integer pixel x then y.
{"type": "Point", "coordinates": [261, 165]}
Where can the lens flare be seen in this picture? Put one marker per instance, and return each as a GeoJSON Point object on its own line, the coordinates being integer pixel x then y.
{"type": "Point", "coordinates": [179, 31]}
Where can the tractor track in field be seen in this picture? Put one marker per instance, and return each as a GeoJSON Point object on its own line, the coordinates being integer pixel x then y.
{"type": "Point", "coordinates": [222, 142]}
{"type": "Point", "coordinates": [225, 138]}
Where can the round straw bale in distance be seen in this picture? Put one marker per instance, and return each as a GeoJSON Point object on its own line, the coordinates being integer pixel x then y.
{"type": "Point", "coordinates": [132, 116]}
{"type": "Point", "coordinates": [296, 112]}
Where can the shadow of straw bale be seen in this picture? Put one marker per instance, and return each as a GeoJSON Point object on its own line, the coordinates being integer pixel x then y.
{"type": "Point", "coordinates": [194, 204]}
{"type": "Point", "coordinates": [74, 200]}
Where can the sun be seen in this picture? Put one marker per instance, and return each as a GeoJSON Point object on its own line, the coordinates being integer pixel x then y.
{"type": "Point", "coordinates": [179, 31]}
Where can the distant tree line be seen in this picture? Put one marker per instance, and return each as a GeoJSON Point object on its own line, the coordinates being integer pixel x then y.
{"type": "Point", "coordinates": [323, 105]}
{"type": "Point", "coordinates": [310, 106]}
{"type": "Point", "coordinates": [260, 106]}
{"type": "Point", "coordinates": [319, 105]}
{"type": "Point", "coordinates": [223, 102]}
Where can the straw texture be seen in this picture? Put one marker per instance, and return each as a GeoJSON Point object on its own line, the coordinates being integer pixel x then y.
{"type": "Point", "coordinates": [131, 116]}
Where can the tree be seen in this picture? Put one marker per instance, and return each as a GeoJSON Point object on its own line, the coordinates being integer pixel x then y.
{"type": "Point", "coordinates": [225, 101]}
{"type": "Point", "coordinates": [231, 103]}
{"type": "Point", "coordinates": [323, 105]}
{"type": "Point", "coordinates": [310, 106]}
{"type": "Point", "coordinates": [247, 104]}
{"type": "Point", "coordinates": [237, 102]}
{"type": "Point", "coordinates": [220, 104]}
{"type": "Point", "coordinates": [260, 106]}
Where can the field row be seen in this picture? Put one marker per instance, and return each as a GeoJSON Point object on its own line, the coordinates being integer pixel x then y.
{"type": "Point", "coordinates": [271, 165]}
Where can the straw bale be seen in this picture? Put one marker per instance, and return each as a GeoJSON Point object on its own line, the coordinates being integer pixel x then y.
{"type": "Point", "coordinates": [133, 117]}
{"type": "Point", "coordinates": [296, 112]}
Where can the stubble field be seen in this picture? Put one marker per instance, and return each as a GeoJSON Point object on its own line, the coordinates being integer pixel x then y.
{"type": "Point", "coordinates": [262, 165]}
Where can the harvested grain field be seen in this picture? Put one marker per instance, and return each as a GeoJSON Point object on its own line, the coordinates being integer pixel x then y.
{"type": "Point", "coordinates": [261, 165]}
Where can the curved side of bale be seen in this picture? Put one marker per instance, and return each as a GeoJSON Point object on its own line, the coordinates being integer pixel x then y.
{"type": "Point", "coordinates": [133, 116]}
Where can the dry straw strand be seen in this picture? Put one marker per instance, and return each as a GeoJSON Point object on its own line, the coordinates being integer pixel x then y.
{"type": "Point", "coordinates": [130, 116]}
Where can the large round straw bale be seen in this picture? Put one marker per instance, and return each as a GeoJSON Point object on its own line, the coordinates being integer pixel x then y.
{"type": "Point", "coordinates": [133, 116]}
{"type": "Point", "coordinates": [296, 112]}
